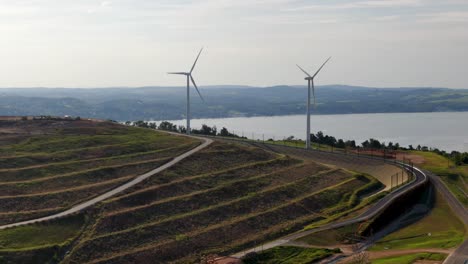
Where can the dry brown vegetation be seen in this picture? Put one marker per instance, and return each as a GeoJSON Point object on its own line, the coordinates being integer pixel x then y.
{"type": "Point", "coordinates": [49, 165]}
{"type": "Point", "coordinates": [222, 199]}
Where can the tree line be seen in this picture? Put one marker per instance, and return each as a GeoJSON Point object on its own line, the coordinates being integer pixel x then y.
{"type": "Point", "coordinates": [458, 158]}
{"type": "Point", "coordinates": [168, 126]}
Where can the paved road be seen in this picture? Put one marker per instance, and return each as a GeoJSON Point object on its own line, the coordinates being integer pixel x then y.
{"type": "Point", "coordinates": [121, 188]}
{"type": "Point", "coordinates": [420, 178]}
{"type": "Point", "coordinates": [460, 255]}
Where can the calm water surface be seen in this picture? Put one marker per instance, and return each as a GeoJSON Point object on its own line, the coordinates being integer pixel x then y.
{"type": "Point", "coordinates": [448, 131]}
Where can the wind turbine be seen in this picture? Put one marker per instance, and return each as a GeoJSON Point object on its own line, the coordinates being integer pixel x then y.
{"type": "Point", "coordinates": [190, 78]}
{"type": "Point", "coordinates": [310, 82]}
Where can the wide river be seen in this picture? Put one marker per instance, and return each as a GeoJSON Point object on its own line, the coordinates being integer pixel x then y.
{"type": "Point", "coordinates": [447, 131]}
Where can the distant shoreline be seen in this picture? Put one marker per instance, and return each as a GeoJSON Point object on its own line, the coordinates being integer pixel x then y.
{"type": "Point", "coordinates": [334, 114]}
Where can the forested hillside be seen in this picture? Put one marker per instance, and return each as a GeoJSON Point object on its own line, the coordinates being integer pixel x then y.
{"type": "Point", "coordinates": [158, 103]}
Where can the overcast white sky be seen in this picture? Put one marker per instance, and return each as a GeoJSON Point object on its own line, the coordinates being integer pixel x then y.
{"type": "Point", "coordinates": [89, 43]}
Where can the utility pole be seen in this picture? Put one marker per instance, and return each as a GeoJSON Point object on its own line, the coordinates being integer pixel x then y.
{"type": "Point", "coordinates": [391, 182]}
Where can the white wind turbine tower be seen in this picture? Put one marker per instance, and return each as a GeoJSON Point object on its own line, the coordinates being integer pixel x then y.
{"type": "Point", "coordinates": [190, 78]}
{"type": "Point", "coordinates": [310, 82]}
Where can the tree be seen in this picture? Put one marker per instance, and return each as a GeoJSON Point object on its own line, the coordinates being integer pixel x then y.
{"type": "Point", "coordinates": [224, 132]}
{"type": "Point", "coordinates": [165, 125]}
{"type": "Point", "coordinates": [140, 123]}
{"type": "Point", "coordinates": [340, 144]}
{"type": "Point", "coordinates": [181, 129]}
{"type": "Point", "coordinates": [320, 137]}
{"type": "Point", "coordinates": [205, 130]}
{"type": "Point", "coordinates": [374, 143]}
{"type": "Point", "coordinates": [350, 143]}
{"type": "Point", "coordinates": [365, 144]}
{"type": "Point", "coordinates": [313, 138]}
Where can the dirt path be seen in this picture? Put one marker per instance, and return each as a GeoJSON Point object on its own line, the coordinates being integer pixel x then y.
{"type": "Point", "coordinates": [121, 188]}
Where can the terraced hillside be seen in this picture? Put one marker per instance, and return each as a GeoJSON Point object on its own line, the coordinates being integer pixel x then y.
{"type": "Point", "coordinates": [47, 166]}
{"type": "Point", "coordinates": [222, 199]}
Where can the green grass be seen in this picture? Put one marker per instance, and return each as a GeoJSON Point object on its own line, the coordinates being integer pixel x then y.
{"type": "Point", "coordinates": [330, 237]}
{"type": "Point", "coordinates": [445, 229]}
{"type": "Point", "coordinates": [41, 235]}
{"type": "Point", "coordinates": [289, 255]}
{"type": "Point", "coordinates": [455, 177]}
{"type": "Point", "coordinates": [57, 147]}
{"type": "Point", "coordinates": [353, 202]}
{"type": "Point", "coordinates": [433, 160]}
{"type": "Point", "coordinates": [409, 259]}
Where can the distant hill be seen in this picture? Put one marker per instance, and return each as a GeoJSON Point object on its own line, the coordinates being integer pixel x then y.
{"type": "Point", "coordinates": [158, 103]}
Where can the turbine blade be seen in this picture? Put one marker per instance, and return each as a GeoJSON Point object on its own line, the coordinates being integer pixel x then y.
{"type": "Point", "coordinates": [313, 94]}
{"type": "Point", "coordinates": [196, 88]}
{"type": "Point", "coordinates": [193, 67]}
{"type": "Point", "coordinates": [303, 70]}
{"type": "Point", "coordinates": [321, 67]}
{"type": "Point", "coordinates": [179, 73]}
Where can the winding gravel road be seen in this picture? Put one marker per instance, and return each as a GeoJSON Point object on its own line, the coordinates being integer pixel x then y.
{"type": "Point", "coordinates": [121, 188]}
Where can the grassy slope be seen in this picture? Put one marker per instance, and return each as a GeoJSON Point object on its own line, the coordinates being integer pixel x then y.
{"type": "Point", "coordinates": [39, 243]}
{"type": "Point", "coordinates": [455, 177]}
{"type": "Point", "coordinates": [197, 207]}
{"type": "Point", "coordinates": [41, 235]}
{"type": "Point", "coordinates": [409, 259]}
{"type": "Point", "coordinates": [445, 228]}
{"type": "Point", "coordinates": [289, 255]}
{"type": "Point", "coordinates": [356, 202]}
{"type": "Point", "coordinates": [330, 237]}
{"type": "Point", "coordinates": [62, 164]}
{"type": "Point", "coordinates": [208, 203]}
{"type": "Point", "coordinates": [67, 162]}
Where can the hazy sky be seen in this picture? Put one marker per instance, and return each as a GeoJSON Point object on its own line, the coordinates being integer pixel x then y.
{"type": "Point", "coordinates": [89, 43]}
